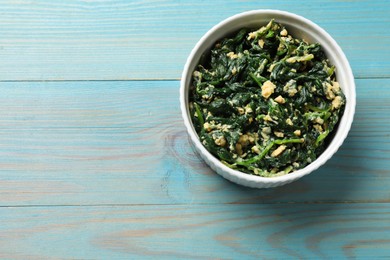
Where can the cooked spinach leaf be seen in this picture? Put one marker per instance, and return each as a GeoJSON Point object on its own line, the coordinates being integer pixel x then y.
{"type": "Point", "coordinates": [264, 102]}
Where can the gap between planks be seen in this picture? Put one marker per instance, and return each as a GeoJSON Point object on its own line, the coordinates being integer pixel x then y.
{"type": "Point", "coordinates": [141, 79]}
{"type": "Point", "coordinates": [200, 204]}
{"type": "Point", "coordinates": [89, 80]}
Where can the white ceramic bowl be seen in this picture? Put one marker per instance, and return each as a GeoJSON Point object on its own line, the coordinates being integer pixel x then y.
{"type": "Point", "coordinates": [299, 27]}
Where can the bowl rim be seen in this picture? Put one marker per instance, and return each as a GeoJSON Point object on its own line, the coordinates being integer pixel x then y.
{"type": "Point", "coordinates": [255, 180]}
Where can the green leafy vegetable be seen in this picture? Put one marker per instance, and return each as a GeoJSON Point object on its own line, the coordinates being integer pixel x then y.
{"type": "Point", "coordinates": [265, 103]}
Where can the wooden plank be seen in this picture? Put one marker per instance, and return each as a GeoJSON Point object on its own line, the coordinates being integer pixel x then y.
{"type": "Point", "coordinates": [197, 232]}
{"type": "Point", "coordinates": [114, 40]}
{"type": "Point", "coordinates": [94, 143]}
{"type": "Point", "coordinates": [107, 104]}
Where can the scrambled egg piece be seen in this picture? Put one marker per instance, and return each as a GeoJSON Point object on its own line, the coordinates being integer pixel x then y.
{"type": "Point", "coordinates": [267, 89]}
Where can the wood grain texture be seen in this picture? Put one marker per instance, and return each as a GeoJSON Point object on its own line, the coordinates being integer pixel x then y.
{"type": "Point", "coordinates": [124, 143]}
{"type": "Point", "coordinates": [121, 40]}
{"type": "Point", "coordinates": [197, 232]}
{"type": "Point", "coordinates": [95, 162]}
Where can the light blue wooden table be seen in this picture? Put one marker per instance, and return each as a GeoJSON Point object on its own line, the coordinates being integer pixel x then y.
{"type": "Point", "coordinates": [95, 162]}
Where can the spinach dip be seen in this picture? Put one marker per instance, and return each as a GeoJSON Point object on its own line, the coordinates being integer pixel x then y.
{"type": "Point", "coordinates": [264, 102]}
